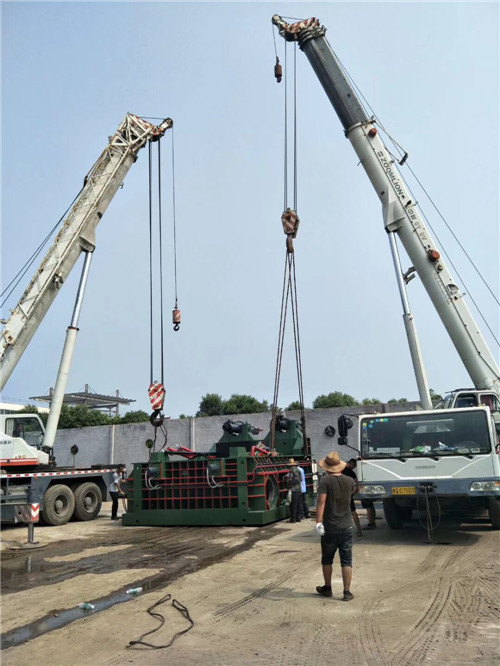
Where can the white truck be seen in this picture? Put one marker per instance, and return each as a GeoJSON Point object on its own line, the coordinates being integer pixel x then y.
{"type": "Point", "coordinates": [28, 473]}
{"type": "Point", "coordinates": [451, 453]}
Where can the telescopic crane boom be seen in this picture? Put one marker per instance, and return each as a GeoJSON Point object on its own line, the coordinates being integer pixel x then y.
{"type": "Point", "coordinates": [76, 235]}
{"type": "Point", "coordinates": [400, 214]}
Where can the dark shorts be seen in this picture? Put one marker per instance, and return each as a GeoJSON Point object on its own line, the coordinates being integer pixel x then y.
{"type": "Point", "coordinates": [366, 504]}
{"type": "Point", "coordinates": [341, 540]}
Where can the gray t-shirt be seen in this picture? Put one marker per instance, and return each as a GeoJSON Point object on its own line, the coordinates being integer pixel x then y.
{"type": "Point", "coordinates": [338, 491]}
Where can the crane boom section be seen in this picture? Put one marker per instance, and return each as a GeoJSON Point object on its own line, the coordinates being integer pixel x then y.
{"type": "Point", "coordinates": [76, 235]}
{"type": "Point", "coordinates": [401, 215]}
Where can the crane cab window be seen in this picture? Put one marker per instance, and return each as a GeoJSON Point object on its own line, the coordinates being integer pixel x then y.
{"type": "Point", "coordinates": [28, 428]}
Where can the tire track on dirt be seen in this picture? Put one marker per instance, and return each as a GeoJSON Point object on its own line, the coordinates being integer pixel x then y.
{"type": "Point", "coordinates": [232, 608]}
{"type": "Point", "coordinates": [461, 588]}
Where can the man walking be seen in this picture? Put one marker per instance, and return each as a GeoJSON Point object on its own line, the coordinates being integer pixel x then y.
{"type": "Point", "coordinates": [334, 523]}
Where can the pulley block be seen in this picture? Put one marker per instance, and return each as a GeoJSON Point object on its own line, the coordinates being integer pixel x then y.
{"type": "Point", "coordinates": [290, 221]}
{"type": "Point", "coordinates": [156, 395]}
{"type": "Point", "coordinates": [176, 319]}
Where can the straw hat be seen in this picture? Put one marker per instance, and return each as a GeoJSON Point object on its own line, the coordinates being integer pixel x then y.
{"type": "Point", "coordinates": [332, 463]}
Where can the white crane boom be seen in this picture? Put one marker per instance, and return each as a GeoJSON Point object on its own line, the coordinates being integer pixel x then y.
{"type": "Point", "coordinates": [76, 235]}
{"type": "Point", "coordinates": [401, 215]}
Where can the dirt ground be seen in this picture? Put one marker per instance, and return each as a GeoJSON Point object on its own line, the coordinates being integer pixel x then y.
{"type": "Point", "coordinates": [250, 593]}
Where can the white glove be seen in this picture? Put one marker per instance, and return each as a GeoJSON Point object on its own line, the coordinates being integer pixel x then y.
{"type": "Point", "coordinates": [320, 528]}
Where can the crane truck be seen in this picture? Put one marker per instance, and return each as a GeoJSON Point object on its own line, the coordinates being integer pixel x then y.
{"type": "Point", "coordinates": [448, 454]}
{"type": "Point", "coordinates": [28, 471]}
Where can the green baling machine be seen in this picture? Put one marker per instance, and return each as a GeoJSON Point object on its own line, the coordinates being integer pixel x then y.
{"type": "Point", "coordinates": [241, 480]}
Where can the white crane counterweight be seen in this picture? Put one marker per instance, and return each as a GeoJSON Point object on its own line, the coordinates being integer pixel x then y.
{"type": "Point", "coordinates": [76, 235]}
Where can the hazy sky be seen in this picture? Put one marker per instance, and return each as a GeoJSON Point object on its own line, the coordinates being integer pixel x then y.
{"type": "Point", "coordinates": [70, 72]}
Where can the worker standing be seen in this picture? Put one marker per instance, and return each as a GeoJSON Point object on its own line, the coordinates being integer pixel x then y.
{"type": "Point", "coordinates": [334, 523]}
{"type": "Point", "coordinates": [116, 490]}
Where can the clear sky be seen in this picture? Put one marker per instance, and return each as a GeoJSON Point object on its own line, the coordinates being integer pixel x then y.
{"type": "Point", "coordinates": [70, 72]}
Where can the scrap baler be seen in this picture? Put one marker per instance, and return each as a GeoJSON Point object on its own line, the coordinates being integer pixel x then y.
{"type": "Point", "coordinates": [241, 480]}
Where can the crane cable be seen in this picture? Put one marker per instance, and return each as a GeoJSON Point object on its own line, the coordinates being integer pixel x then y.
{"type": "Point", "coordinates": [157, 388]}
{"type": "Point", "coordinates": [290, 221]}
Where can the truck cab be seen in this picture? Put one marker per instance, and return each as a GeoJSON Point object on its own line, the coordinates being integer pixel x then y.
{"type": "Point", "coordinates": [27, 426]}
{"type": "Point", "coordinates": [470, 398]}
{"type": "Point", "coordinates": [21, 441]}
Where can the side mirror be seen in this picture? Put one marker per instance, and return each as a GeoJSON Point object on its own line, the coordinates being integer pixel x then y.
{"type": "Point", "coordinates": [344, 424]}
{"type": "Point", "coordinates": [342, 441]}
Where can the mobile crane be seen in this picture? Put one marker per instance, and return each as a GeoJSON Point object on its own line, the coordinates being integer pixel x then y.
{"type": "Point", "coordinates": [450, 453]}
{"type": "Point", "coordinates": [28, 471]}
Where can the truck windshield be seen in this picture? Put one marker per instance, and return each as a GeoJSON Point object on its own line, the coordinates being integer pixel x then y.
{"type": "Point", "coordinates": [28, 428]}
{"type": "Point", "coordinates": [440, 434]}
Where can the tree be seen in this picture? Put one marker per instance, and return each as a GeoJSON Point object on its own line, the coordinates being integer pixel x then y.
{"type": "Point", "coordinates": [397, 401]}
{"type": "Point", "coordinates": [294, 406]}
{"type": "Point", "coordinates": [138, 416]}
{"type": "Point", "coordinates": [371, 401]}
{"type": "Point", "coordinates": [244, 404]}
{"type": "Point", "coordinates": [81, 416]}
{"type": "Point", "coordinates": [211, 405]}
{"type": "Point", "coordinates": [435, 397]}
{"type": "Point", "coordinates": [335, 399]}
{"type": "Point", "coordinates": [33, 409]}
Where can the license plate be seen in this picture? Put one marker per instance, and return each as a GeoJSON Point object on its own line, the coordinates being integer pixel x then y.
{"type": "Point", "coordinates": [404, 490]}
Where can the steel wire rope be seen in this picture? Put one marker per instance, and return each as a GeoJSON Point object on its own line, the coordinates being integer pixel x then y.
{"type": "Point", "coordinates": [150, 265]}
{"type": "Point", "coordinates": [279, 356]}
{"type": "Point", "coordinates": [160, 263]}
{"type": "Point", "coordinates": [24, 269]}
{"type": "Point", "coordinates": [289, 290]}
{"type": "Point", "coordinates": [433, 204]}
{"type": "Point", "coordinates": [174, 218]}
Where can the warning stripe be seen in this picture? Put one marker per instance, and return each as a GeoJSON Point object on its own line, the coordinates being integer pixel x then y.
{"type": "Point", "coordinates": [156, 395]}
{"type": "Point", "coordinates": [35, 510]}
{"type": "Point", "coordinates": [76, 472]}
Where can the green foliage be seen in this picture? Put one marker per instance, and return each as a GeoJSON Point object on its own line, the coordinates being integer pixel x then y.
{"type": "Point", "coordinates": [397, 401]}
{"type": "Point", "coordinates": [335, 399]}
{"type": "Point", "coordinates": [138, 416]}
{"type": "Point", "coordinates": [244, 404]}
{"type": "Point", "coordinates": [294, 406]}
{"type": "Point", "coordinates": [33, 409]}
{"type": "Point", "coordinates": [81, 416]}
{"type": "Point", "coordinates": [211, 405]}
{"type": "Point", "coordinates": [435, 397]}
{"type": "Point", "coordinates": [371, 401]}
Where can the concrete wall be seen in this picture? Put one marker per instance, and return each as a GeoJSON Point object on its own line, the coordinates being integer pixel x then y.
{"type": "Point", "coordinates": [104, 445]}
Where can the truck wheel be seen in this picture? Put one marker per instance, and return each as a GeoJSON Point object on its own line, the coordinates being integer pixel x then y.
{"type": "Point", "coordinates": [392, 513]}
{"type": "Point", "coordinates": [88, 501]}
{"type": "Point", "coordinates": [58, 505]}
{"type": "Point", "coordinates": [494, 512]}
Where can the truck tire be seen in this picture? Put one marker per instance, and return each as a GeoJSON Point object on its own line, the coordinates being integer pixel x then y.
{"type": "Point", "coordinates": [88, 501]}
{"type": "Point", "coordinates": [494, 512]}
{"type": "Point", "coordinates": [58, 505]}
{"type": "Point", "coordinates": [392, 513]}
